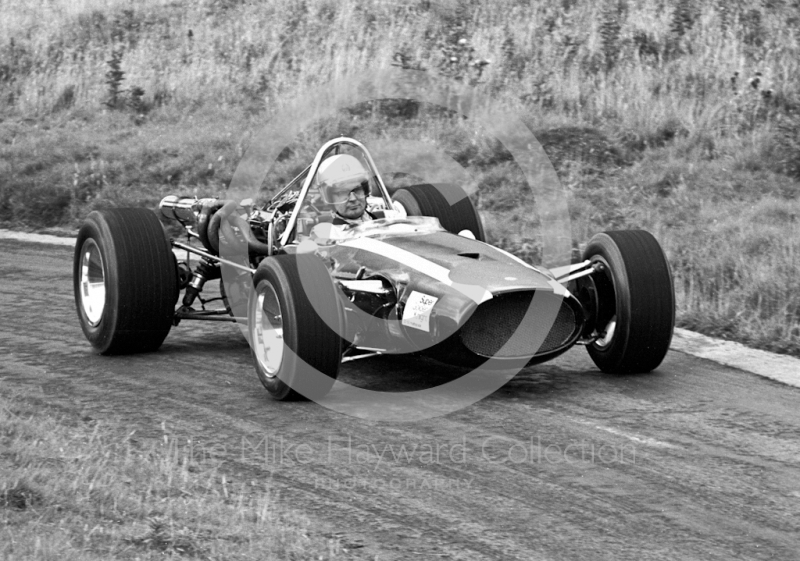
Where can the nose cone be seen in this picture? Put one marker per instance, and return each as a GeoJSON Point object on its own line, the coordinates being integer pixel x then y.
{"type": "Point", "coordinates": [499, 276]}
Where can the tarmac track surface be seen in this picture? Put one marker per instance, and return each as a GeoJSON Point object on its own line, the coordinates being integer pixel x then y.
{"type": "Point", "coordinates": [693, 461]}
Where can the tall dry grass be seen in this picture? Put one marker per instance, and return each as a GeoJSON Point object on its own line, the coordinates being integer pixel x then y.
{"type": "Point", "coordinates": [638, 65]}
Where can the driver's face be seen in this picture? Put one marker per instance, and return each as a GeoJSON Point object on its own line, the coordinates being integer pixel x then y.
{"type": "Point", "coordinates": [354, 206]}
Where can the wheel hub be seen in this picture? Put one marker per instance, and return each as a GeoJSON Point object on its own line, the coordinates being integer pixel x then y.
{"type": "Point", "coordinates": [268, 332]}
{"type": "Point", "coordinates": [92, 283]}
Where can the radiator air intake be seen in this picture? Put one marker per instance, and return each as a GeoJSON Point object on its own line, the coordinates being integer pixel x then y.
{"type": "Point", "coordinates": [493, 324]}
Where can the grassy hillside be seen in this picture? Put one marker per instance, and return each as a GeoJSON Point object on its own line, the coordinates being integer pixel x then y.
{"type": "Point", "coordinates": [678, 116]}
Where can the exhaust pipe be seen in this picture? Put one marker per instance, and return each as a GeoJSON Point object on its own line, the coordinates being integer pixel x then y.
{"type": "Point", "coordinates": [184, 209]}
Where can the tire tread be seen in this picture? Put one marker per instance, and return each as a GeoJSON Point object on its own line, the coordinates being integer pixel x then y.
{"type": "Point", "coordinates": [642, 343]}
{"type": "Point", "coordinates": [138, 256]}
{"type": "Point", "coordinates": [433, 201]}
{"type": "Point", "coordinates": [314, 308]}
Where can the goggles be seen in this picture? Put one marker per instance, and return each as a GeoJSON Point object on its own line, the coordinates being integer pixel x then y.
{"type": "Point", "coordinates": [341, 192]}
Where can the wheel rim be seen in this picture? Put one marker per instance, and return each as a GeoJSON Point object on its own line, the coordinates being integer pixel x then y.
{"type": "Point", "coordinates": [92, 283]}
{"type": "Point", "coordinates": [268, 331]}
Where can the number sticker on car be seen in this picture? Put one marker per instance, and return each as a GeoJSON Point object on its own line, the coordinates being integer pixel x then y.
{"type": "Point", "coordinates": [417, 313]}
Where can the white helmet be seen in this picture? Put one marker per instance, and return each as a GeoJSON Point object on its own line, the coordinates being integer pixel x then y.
{"type": "Point", "coordinates": [339, 175]}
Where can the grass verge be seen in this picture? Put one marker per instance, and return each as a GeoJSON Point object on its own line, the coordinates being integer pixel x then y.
{"type": "Point", "coordinates": [79, 489]}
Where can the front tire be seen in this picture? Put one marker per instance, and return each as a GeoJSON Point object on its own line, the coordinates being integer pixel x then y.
{"type": "Point", "coordinates": [633, 301]}
{"type": "Point", "coordinates": [294, 322]}
{"type": "Point", "coordinates": [125, 281]}
{"type": "Point", "coordinates": [447, 202]}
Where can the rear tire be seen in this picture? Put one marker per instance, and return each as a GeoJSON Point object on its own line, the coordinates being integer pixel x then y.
{"type": "Point", "coordinates": [435, 201]}
{"type": "Point", "coordinates": [125, 281]}
{"type": "Point", "coordinates": [633, 301]}
{"type": "Point", "coordinates": [294, 324]}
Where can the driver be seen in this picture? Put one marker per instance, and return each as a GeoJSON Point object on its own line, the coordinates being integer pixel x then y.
{"type": "Point", "coordinates": [343, 183]}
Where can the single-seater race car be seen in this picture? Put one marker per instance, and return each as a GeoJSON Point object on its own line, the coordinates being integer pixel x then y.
{"type": "Point", "coordinates": [317, 284]}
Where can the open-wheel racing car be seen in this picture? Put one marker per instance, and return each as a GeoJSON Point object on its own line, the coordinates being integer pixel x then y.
{"type": "Point", "coordinates": [413, 274]}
